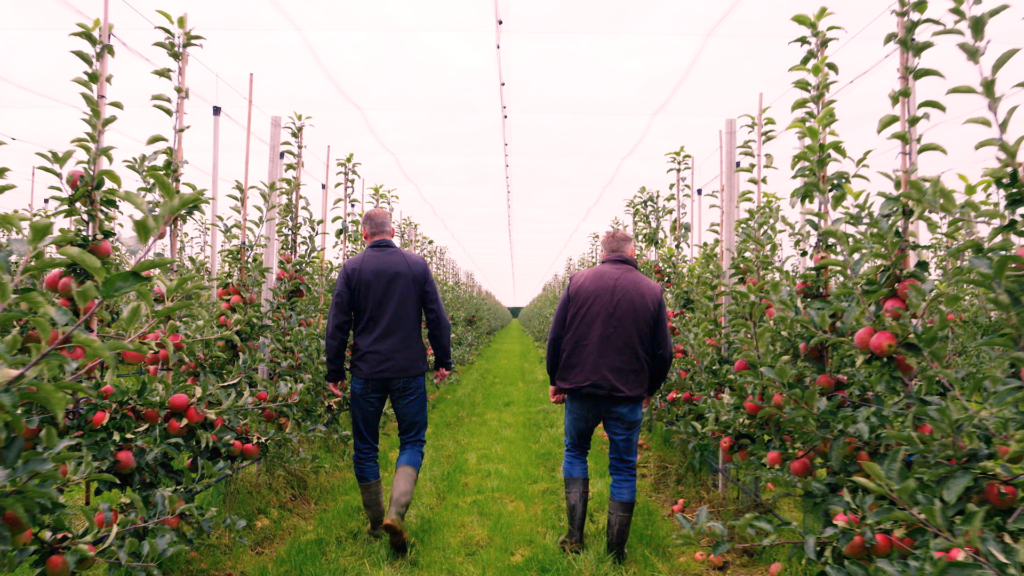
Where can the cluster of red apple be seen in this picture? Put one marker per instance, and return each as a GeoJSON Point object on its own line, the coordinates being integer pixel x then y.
{"type": "Point", "coordinates": [287, 274]}
{"type": "Point", "coordinates": [63, 284]}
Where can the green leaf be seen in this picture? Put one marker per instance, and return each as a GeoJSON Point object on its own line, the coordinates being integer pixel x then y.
{"type": "Point", "coordinates": [122, 283]}
{"type": "Point", "coordinates": [980, 120]}
{"type": "Point", "coordinates": [932, 104]}
{"type": "Point", "coordinates": [154, 139]}
{"type": "Point", "coordinates": [1003, 59]}
{"type": "Point", "coordinates": [956, 485]}
{"type": "Point", "coordinates": [869, 485]}
{"type": "Point", "coordinates": [887, 121]}
{"type": "Point", "coordinates": [931, 147]}
{"type": "Point", "coordinates": [152, 264]}
{"type": "Point", "coordinates": [962, 90]}
{"type": "Point", "coordinates": [38, 231]}
{"type": "Point", "coordinates": [721, 547]}
{"type": "Point", "coordinates": [84, 259]}
{"type": "Point", "coordinates": [173, 308]}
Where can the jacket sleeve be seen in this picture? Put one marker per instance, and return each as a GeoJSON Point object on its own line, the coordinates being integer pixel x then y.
{"type": "Point", "coordinates": [339, 323]}
{"type": "Point", "coordinates": [661, 350]}
{"type": "Point", "coordinates": [439, 328]}
{"type": "Point", "coordinates": [556, 335]}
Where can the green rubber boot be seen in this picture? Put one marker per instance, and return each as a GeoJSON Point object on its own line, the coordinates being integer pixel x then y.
{"type": "Point", "coordinates": [401, 496]}
{"type": "Point", "coordinates": [373, 504]}
{"type": "Point", "coordinates": [576, 492]}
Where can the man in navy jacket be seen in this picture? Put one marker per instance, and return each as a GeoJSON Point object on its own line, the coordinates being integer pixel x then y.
{"type": "Point", "coordinates": [382, 296]}
{"type": "Point", "coordinates": [609, 351]}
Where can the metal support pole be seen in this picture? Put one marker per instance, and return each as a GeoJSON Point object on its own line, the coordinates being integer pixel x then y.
{"type": "Point", "coordinates": [214, 188]}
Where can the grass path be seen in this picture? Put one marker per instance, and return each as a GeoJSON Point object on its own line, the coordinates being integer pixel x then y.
{"type": "Point", "coordinates": [490, 498]}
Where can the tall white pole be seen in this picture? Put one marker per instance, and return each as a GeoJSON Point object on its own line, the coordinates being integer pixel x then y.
{"type": "Point", "coordinates": [214, 188]}
{"type": "Point", "coordinates": [728, 203]}
{"type": "Point", "coordinates": [270, 226]}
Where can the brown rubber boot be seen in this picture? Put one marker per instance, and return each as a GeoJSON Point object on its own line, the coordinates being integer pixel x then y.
{"type": "Point", "coordinates": [620, 516]}
{"type": "Point", "coordinates": [373, 504]}
{"type": "Point", "coordinates": [576, 492]}
{"type": "Point", "coordinates": [401, 497]}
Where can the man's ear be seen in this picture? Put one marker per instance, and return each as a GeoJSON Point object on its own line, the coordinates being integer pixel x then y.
{"type": "Point", "coordinates": [632, 252]}
{"type": "Point", "coordinates": [603, 255]}
{"type": "Point", "coordinates": [366, 237]}
{"type": "Point", "coordinates": [392, 231]}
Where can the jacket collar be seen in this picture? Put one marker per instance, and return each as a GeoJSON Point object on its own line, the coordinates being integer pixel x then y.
{"type": "Point", "coordinates": [620, 259]}
{"type": "Point", "coordinates": [382, 244]}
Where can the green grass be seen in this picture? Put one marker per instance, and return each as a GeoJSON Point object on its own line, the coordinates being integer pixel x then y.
{"type": "Point", "coordinates": [489, 500]}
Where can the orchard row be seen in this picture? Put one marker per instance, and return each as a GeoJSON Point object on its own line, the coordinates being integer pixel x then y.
{"type": "Point", "coordinates": [133, 376]}
{"type": "Point", "coordinates": [867, 359]}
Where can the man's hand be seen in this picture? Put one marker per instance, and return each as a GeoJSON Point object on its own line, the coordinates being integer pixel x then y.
{"type": "Point", "coordinates": [336, 387]}
{"type": "Point", "coordinates": [556, 398]}
{"type": "Point", "coordinates": [440, 375]}
{"type": "Point", "coordinates": [647, 402]}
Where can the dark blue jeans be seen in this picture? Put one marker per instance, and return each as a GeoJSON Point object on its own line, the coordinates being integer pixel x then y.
{"type": "Point", "coordinates": [409, 401]}
{"type": "Point", "coordinates": [621, 421]}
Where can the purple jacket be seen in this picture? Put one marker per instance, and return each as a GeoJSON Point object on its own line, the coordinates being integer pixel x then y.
{"type": "Point", "coordinates": [609, 336]}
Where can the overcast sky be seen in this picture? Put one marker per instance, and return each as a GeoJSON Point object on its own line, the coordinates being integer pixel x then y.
{"type": "Point", "coordinates": [597, 92]}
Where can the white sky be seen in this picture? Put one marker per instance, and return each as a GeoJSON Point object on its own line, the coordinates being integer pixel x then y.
{"type": "Point", "coordinates": [586, 82]}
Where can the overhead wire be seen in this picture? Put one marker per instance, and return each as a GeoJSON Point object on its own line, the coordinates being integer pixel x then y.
{"type": "Point", "coordinates": [643, 135]}
{"type": "Point", "coordinates": [380, 142]}
{"type": "Point", "coordinates": [504, 137]}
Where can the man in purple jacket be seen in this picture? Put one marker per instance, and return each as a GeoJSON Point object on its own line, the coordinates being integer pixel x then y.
{"type": "Point", "coordinates": [609, 351]}
{"type": "Point", "coordinates": [382, 296]}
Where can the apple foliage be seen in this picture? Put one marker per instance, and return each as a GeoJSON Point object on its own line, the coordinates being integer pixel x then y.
{"type": "Point", "coordinates": [129, 384]}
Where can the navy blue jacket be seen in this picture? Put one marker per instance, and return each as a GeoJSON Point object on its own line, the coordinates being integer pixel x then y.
{"type": "Point", "coordinates": [382, 296]}
{"type": "Point", "coordinates": [609, 335]}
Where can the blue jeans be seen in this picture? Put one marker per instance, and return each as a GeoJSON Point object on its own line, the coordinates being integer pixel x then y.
{"type": "Point", "coordinates": [409, 401]}
{"type": "Point", "coordinates": [622, 424]}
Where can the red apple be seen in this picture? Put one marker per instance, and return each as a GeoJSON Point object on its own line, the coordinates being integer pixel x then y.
{"type": "Point", "coordinates": [52, 280]}
{"type": "Point", "coordinates": [194, 416]}
{"type": "Point", "coordinates": [882, 547]}
{"type": "Point", "coordinates": [740, 366]}
{"type": "Point", "coordinates": [57, 565]}
{"type": "Point", "coordinates": [1000, 496]}
{"type": "Point", "coordinates": [107, 391]}
{"type": "Point", "coordinates": [903, 288]}
{"type": "Point", "coordinates": [894, 308]}
{"type": "Point", "coordinates": [857, 548]}
{"type": "Point", "coordinates": [100, 519]}
{"type": "Point", "coordinates": [98, 419]}
{"type": "Point", "coordinates": [125, 462]}
{"type": "Point", "coordinates": [801, 467]}
{"type": "Point", "coordinates": [151, 416]}
{"type": "Point", "coordinates": [262, 396]}
{"type": "Point", "coordinates": [236, 448]}
{"type": "Point", "coordinates": [178, 403]}
{"type": "Point", "coordinates": [778, 399]}
{"type": "Point", "coordinates": [66, 287]}
{"type": "Point", "coordinates": [826, 383]}
{"type": "Point", "coordinates": [250, 451]}
{"type": "Point", "coordinates": [700, 556]}
{"type": "Point", "coordinates": [775, 569]}
{"type": "Point", "coordinates": [883, 344]}
{"type": "Point", "coordinates": [751, 406]}
{"type": "Point", "coordinates": [773, 459]}
{"type": "Point", "coordinates": [176, 428]}
{"type": "Point", "coordinates": [101, 249]}
{"type": "Point", "coordinates": [862, 339]}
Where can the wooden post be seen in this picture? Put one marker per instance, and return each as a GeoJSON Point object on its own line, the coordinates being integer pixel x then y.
{"type": "Point", "coordinates": [270, 250]}
{"type": "Point", "coordinates": [760, 133]}
{"type": "Point", "coordinates": [214, 188]}
{"type": "Point", "coordinates": [245, 184]}
{"type": "Point", "coordinates": [728, 232]}
{"type": "Point", "coordinates": [179, 141]}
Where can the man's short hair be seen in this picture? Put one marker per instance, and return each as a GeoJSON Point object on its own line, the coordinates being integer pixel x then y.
{"type": "Point", "coordinates": [616, 242]}
{"type": "Point", "coordinates": [377, 222]}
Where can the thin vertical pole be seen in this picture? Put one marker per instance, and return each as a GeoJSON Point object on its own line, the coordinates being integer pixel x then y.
{"type": "Point", "coordinates": [179, 141]}
{"type": "Point", "coordinates": [362, 197]}
{"type": "Point", "coordinates": [344, 240]}
{"type": "Point", "coordinates": [245, 182]}
{"type": "Point", "coordinates": [323, 227]}
{"type": "Point", "coordinates": [721, 194]}
{"type": "Point", "coordinates": [32, 193]}
{"type": "Point", "coordinates": [693, 192]}
{"type": "Point", "coordinates": [214, 188]}
{"type": "Point", "coordinates": [728, 232]}
{"type": "Point", "coordinates": [101, 97]}
{"type": "Point", "coordinates": [760, 133]}
{"type": "Point", "coordinates": [679, 203]}
{"type": "Point", "coordinates": [298, 193]}
{"type": "Point", "coordinates": [270, 251]}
